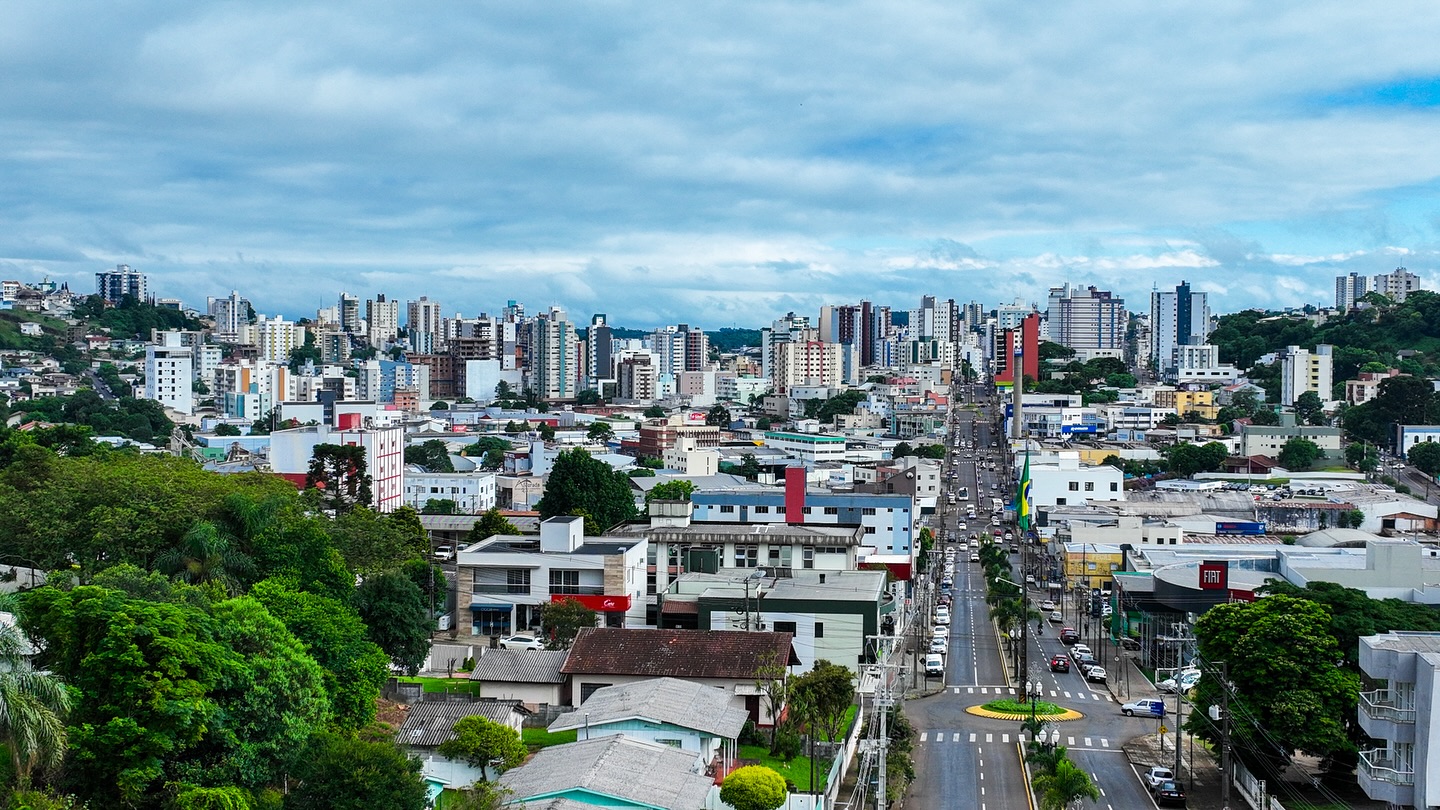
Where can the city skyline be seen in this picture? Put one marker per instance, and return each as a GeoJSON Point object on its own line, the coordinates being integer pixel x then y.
{"type": "Point", "coordinates": [735, 163]}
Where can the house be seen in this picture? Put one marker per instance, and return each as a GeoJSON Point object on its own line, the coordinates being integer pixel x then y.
{"type": "Point", "coordinates": [1250, 465]}
{"type": "Point", "coordinates": [430, 723]}
{"type": "Point", "coordinates": [609, 656]}
{"type": "Point", "coordinates": [702, 720]}
{"type": "Point", "coordinates": [1402, 716]}
{"type": "Point", "coordinates": [532, 677]}
{"type": "Point", "coordinates": [612, 772]}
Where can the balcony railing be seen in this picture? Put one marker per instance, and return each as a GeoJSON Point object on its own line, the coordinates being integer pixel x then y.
{"type": "Point", "coordinates": [512, 590]}
{"type": "Point", "coordinates": [1380, 704]}
{"type": "Point", "coordinates": [577, 590]}
{"type": "Point", "coordinates": [1380, 767]}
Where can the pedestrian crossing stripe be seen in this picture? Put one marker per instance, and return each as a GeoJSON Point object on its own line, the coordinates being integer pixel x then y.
{"type": "Point", "coordinates": [940, 737]}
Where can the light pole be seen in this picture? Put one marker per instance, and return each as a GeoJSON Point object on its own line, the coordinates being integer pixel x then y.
{"type": "Point", "coordinates": [1034, 690]}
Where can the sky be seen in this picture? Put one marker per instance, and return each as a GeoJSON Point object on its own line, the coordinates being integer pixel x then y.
{"type": "Point", "coordinates": [719, 164]}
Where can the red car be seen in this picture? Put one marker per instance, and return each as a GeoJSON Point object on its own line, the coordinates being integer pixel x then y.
{"type": "Point", "coordinates": [1069, 636]}
{"type": "Point", "coordinates": [1059, 664]}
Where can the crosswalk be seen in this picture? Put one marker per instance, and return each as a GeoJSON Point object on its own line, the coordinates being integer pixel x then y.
{"type": "Point", "coordinates": [1002, 691]}
{"type": "Point", "coordinates": [1079, 743]}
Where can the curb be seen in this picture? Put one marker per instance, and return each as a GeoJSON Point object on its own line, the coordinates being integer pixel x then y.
{"type": "Point", "coordinates": [1069, 714]}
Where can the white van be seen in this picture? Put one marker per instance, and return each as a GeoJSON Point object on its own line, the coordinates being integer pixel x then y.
{"type": "Point", "coordinates": [934, 666]}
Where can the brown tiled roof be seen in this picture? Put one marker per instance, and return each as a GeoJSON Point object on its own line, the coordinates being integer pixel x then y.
{"type": "Point", "coordinates": [675, 653]}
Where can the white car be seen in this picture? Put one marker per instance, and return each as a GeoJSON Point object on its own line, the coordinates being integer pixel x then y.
{"type": "Point", "coordinates": [939, 644]}
{"type": "Point", "coordinates": [1080, 648]}
{"type": "Point", "coordinates": [444, 553]}
{"type": "Point", "coordinates": [1047, 605]}
{"type": "Point", "coordinates": [1183, 681]}
{"type": "Point", "coordinates": [942, 617]}
{"type": "Point", "coordinates": [521, 643]}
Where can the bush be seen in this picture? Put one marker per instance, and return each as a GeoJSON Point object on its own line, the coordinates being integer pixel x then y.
{"type": "Point", "coordinates": [750, 735]}
{"type": "Point", "coordinates": [788, 744]}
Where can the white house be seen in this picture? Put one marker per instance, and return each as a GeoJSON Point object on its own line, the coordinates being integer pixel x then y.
{"type": "Point", "coordinates": [473, 492]}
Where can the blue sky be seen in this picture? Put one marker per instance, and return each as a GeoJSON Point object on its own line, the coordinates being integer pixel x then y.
{"type": "Point", "coordinates": [719, 163]}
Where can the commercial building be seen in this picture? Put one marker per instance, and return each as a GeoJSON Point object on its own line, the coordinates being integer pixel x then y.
{"type": "Point", "coordinates": [1064, 481]}
{"type": "Point", "coordinates": [1086, 319]}
{"type": "Point", "coordinates": [1024, 338]}
{"type": "Point", "coordinates": [1267, 440]}
{"type": "Point", "coordinates": [1397, 284]}
{"type": "Point", "coordinates": [1302, 370]}
{"type": "Point", "coordinates": [473, 492]}
{"type": "Point", "coordinates": [291, 451]}
{"type": "Point", "coordinates": [811, 448]}
{"type": "Point", "coordinates": [382, 320]}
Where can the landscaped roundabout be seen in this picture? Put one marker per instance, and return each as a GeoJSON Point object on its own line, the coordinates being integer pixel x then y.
{"type": "Point", "coordinates": [1019, 711]}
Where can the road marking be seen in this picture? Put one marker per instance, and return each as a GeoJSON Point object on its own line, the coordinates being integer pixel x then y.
{"type": "Point", "coordinates": [1004, 738]}
{"type": "Point", "coordinates": [989, 738]}
{"type": "Point", "coordinates": [971, 690]}
{"type": "Point", "coordinates": [1071, 740]}
{"type": "Point", "coordinates": [957, 690]}
{"type": "Point", "coordinates": [924, 735]}
{"type": "Point", "coordinates": [1067, 694]}
{"type": "Point", "coordinates": [972, 736]}
{"type": "Point", "coordinates": [1052, 693]}
{"type": "Point", "coordinates": [1104, 743]}
{"type": "Point", "coordinates": [1087, 742]}
{"type": "Point", "coordinates": [955, 738]}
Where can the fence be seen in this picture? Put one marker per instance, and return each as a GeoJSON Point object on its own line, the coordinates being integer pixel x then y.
{"type": "Point", "coordinates": [1253, 790]}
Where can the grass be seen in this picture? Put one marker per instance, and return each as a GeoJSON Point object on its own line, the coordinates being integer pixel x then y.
{"type": "Point", "coordinates": [537, 738]}
{"type": "Point", "coordinates": [1016, 707]}
{"type": "Point", "coordinates": [796, 770]}
{"type": "Point", "coordinates": [444, 684]}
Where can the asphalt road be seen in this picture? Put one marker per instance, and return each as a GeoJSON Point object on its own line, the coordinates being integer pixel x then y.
{"type": "Point", "coordinates": [971, 762]}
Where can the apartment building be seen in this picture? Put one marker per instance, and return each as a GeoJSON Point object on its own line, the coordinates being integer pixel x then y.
{"type": "Point", "coordinates": [1404, 716]}
{"type": "Point", "coordinates": [170, 374]}
{"type": "Point", "coordinates": [1302, 370]}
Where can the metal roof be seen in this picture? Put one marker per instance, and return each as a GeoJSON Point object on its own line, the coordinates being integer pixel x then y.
{"type": "Point", "coordinates": [429, 723]}
{"type": "Point", "coordinates": [614, 766]}
{"type": "Point", "coordinates": [687, 704]}
{"type": "Point", "coordinates": [520, 666]}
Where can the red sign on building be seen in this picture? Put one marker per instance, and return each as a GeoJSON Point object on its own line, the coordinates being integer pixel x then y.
{"type": "Point", "coordinates": [600, 603]}
{"type": "Point", "coordinates": [1214, 576]}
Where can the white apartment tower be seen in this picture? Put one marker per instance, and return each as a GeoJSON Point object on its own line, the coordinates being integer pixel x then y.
{"type": "Point", "coordinates": [382, 320]}
{"type": "Point", "coordinates": [170, 373]}
{"type": "Point", "coordinates": [1177, 318]}
{"type": "Point", "coordinates": [1349, 289]}
{"type": "Point", "coordinates": [1398, 284]}
{"type": "Point", "coordinates": [230, 313]}
{"type": "Point", "coordinates": [785, 330]}
{"type": "Point", "coordinates": [423, 327]}
{"type": "Point", "coordinates": [276, 337]}
{"type": "Point", "coordinates": [554, 356]}
{"type": "Point", "coordinates": [807, 361]}
{"type": "Point", "coordinates": [1086, 318]}
{"type": "Point", "coordinates": [1302, 370]}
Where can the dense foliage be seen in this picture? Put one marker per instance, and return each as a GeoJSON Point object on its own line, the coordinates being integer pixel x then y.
{"type": "Point", "coordinates": [132, 318]}
{"type": "Point", "coordinates": [580, 484]}
{"type": "Point", "coordinates": [142, 420]}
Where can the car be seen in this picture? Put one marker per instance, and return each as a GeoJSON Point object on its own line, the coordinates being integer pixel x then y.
{"type": "Point", "coordinates": [444, 553]}
{"type": "Point", "coordinates": [1180, 682]}
{"type": "Point", "coordinates": [1056, 617]}
{"type": "Point", "coordinates": [1084, 659]}
{"type": "Point", "coordinates": [1144, 707]}
{"type": "Point", "coordinates": [942, 618]}
{"type": "Point", "coordinates": [946, 599]}
{"type": "Point", "coordinates": [1009, 536]}
{"type": "Point", "coordinates": [939, 644]}
{"type": "Point", "coordinates": [521, 643]}
{"type": "Point", "coordinates": [1169, 793]}
{"type": "Point", "coordinates": [975, 558]}
{"type": "Point", "coordinates": [1059, 664]}
{"type": "Point", "coordinates": [1157, 775]}
{"type": "Point", "coordinates": [1029, 579]}
{"type": "Point", "coordinates": [941, 630]}
{"type": "Point", "coordinates": [1047, 605]}
{"type": "Point", "coordinates": [961, 526]}
{"type": "Point", "coordinates": [934, 665]}
{"type": "Point", "coordinates": [1095, 674]}
{"type": "Point", "coordinates": [964, 546]}
{"type": "Point", "coordinates": [1069, 636]}
{"type": "Point", "coordinates": [1130, 643]}
{"type": "Point", "coordinates": [1080, 648]}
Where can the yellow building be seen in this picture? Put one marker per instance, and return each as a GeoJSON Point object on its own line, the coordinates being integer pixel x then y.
{"type": "Point", "coordinates": [1090, 564]}
{"type": "Point", "coordinates": [1201, 402]}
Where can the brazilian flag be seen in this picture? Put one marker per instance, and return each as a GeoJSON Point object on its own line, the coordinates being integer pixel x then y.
{"type": "Point", "coordinates": [1022, 497]}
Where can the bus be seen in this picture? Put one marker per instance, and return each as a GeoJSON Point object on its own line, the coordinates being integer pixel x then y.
{"type": "Point", "coordinates": [997, 505]}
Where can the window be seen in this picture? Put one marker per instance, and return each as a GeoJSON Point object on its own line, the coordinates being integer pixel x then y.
{"type": "Point", "coordinates": [807, 557]}
{"type": "Point", "coordinates": [806, 510]}
{"type": "Point", "coordinates": [819, 629]}
{"type": "Point", "coordinates": [747, 556]}
{"type": "Point", "coordinates": [1114, 487]}
{"type": "Point", "coordinates": [588, 689]}
{"type": "Point", "coordinates": [1059, 501]}
{"type": "Point", "coordinates": [564, 581]}
{"type": "Point", "coordinates": [785, 627]}
{"type": "Point", "coordinates": [1089, 486]}
{"type": "Point", "coordinates": [1074, 486]}
{"type": "Point", "coordinates": [762, 510]}
{"type": "Point", "coordinates": [650, 583]}
{"type": "Point", "coordinates": [727, 508]}
{"type": "Point", "coordinates": [517, 580]}
{"type": "Point", "coordinates": [832, 510]}
{"type": "Point", "coordinates": [868, 510]}
{"type": "Point", "coordinates": [869, 529]}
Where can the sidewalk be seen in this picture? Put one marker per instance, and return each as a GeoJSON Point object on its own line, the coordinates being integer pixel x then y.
{"type": "Point", "coordinates": [1200, 774]}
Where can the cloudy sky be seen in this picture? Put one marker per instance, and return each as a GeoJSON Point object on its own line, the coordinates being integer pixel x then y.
{"type": "Point", "coordinates": [718, 163]}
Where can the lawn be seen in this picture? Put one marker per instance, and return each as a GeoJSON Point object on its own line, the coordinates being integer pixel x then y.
{"type": "Point", "coordinates": [797, 770]}
{"type": "Point", "coordinates": [540, 738]}
{"type": "Point", "coordinates": [444, 684]}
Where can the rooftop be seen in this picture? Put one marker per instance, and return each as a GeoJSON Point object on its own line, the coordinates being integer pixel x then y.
{"type": "Point", "coordinates": [429, 723]}
{"type": "Point", "coordinates": [675, 653]}
{"type": "Point", "coordinates": [1405, 641]}
{"type": "Point", "coordinates": [672, 701]}
{"type": "Point", "coordinates": [637, 772]}
{"type": "Point", "coordinates": [520, 666]}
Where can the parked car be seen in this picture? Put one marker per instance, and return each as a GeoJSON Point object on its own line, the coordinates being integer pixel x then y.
{"type": "Point", "coordinates": [1130, 643]}
{"type": "Point", "coordinates": [444, 553]}
{"type": "Point", "coordinates": [939, 644]}
{"type": "Point", "coordinates": [1084, 659]}
{"type": "Point", "coordinates": [521, 643]}
{"type": "Point", "coordinates": [1144, 707]}
{"type": "Point", "coordinates": [1047, 605]}
{"type": "Point", "coordinates": [1095, 674]}
{"type": "Point", "coordinates": [1170, 794]}
{"type": "Point", "coordinates": [1080, 648]}
{"type": "Point", "coordinates": [974, 557]}
{"type": "Point", "coordinates": [942, 617]}
{"type": "Point", "coordinates": [1156, 775]}
{"type": "Point", "coordinates": [934, 665]}
{"type": "Point", "coordinates": [1181, 682]}
{"type": "Point", "coordinates": [1059, 664]}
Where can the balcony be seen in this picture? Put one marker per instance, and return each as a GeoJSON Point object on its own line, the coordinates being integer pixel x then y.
{"type": "Point", "coordinates": [577, 590]}
{"type": "Point", "coordinates": [1380, 704]}
{"type": "Point", "coordinates": [510, 590]}
{"type": "Point", "coordinates": [1380, 767]}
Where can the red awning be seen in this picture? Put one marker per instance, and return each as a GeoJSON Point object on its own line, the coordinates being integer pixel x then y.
{"type": "Point", "coordinates": [601, 603]}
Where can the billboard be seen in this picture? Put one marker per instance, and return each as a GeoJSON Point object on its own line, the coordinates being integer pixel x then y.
{"type": "Point", "coordinates": [1239, 527]}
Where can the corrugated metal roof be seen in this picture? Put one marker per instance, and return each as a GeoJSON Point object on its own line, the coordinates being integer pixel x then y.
{"type": "Point", "coordinates": [639, 772]}
{"type": "Point", "coordinates": [687, 704]}
{"type": "Point", "coordinates": [520, 666]}
{"type": "Point", "coordinates": [675, 653]}
{"type": "Point", "coordinates": [428, 724]}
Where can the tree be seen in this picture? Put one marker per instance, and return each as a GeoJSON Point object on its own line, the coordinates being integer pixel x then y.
{"type": "Point", "coordinates": [226, 430]}
{"type": "Point", "coordinates": [491, 523]}
{"type": "Point", "coordinates": [1282, 656]}
{"type": "Point", "coordinates": [33, 705]}
{"type": "Point", "coordinates": [677, 490]}
{"type": "Point", "coordinates": [828, 689]}
{"type": "Point", "coordinates": [1298, 453]}
{"type": "Point", "coordinates": [589, 396]}
{"type": "Point", "coordinates": [339, 773]}
{"type": "Point", "coordinates": [749, 467]}
{"type": "Point", "coordinates": [654, 412]}
{"type": "Point", "coordinates": [369, 541]}
{"type": "Point", "coordinates": [194, 797]}
{"type": "Point", "coordinates": [600, 431]}
{"type": "Point", "coordinates": [439, 405]}
{"type": "Point", "coordinates": [901, 450]}
{"type": "Point", "coordinates": [1189, 459]}
{"type": "Point", "coordinates": [484, 744]}
{"type": "Point", "coordinates": [432, 454]}
{"type": "Point", "coordinates": [579, 482]}
{"type": "Point", "coordinates": [1426, 457]}
{"type": "Point", "coordinates": [480, 796]}
{"type": "Point", "coordinates": [393, 609]}
{"type": "Point", "coordinates": [1309, 409]}
{"type": "Point", "coordinates": [205, 555]}
{"type": "Point", "coordinates": [546, 431]}
{"type": "Point", "coordinates": [339, 471]}
{"type": "Point", "coordinates": [770, 677]}
{"type": "Point", "coordinates": [1065, 785]}
{"type": "Point", "coordinates": [718, 416]}
{"type": "Point", "coordinates": [562, 621]}
{"type": "Point", "coordinates": [440, 506]}
{"type": "Point", "coordinates": [753, 787]}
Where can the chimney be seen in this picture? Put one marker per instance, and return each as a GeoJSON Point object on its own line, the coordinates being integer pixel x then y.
{"type": "Point", "coordinates": [795, 495]}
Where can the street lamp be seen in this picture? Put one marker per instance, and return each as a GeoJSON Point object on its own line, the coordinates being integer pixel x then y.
{"type": "Point", "coordinates": [1034, 690]}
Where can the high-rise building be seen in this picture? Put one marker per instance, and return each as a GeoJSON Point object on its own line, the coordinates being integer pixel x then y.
{"type": "Point", "coordinates": [349, 308]}
{"type": "Point", "coordinates": [382, 320]}
{"type": "Point", "coordinates": [1009, 316]}
{"type": "Point", "coordinates": [784, 330]}
{"type": "Point", "coordinates": [276, 337]}
{"type": "Point", "coordinates": [1302, 370]}
{"type": "Point", "coordinates": [114, 286]}
{"type": "Point", "coordinates": [1024, 338]}
{"type": "Point", "coordinates": [1349, 289]}
{"type": "Point", "coordinates": [422, 326]}
{"type": "Point", "coordinates": [229, 313]}
{"type": "Point", "coordinates": [553, 369]}
{"type": "Point", "coordinates": [806, 360]}
{"type": "Point", "coordinates": [680, 349]}
{"type": "Point", "coordinates": [1086, 318]}
{"type": "Point", "coordinates": [600, 349]}
{"type": "Point", "coordinates": [635, 377]}
{"type": "Point", "coordinates": [1178, 318]}
{"type": "Point", "coordinates": [1398, 284]}
{"type": "Point", "coordinates": [170, 374]}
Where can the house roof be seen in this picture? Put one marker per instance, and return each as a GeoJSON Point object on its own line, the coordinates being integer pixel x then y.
{"type": "Point", "coordinates": [634, 771]}
{"type": "Point", "coordinates": [675, 653]}
{"type": "Point", "coordinates": [662, 700]}
{"type": "Point", "coordinates": [520, 666]}
{"type": "Point", "coordinates": [429, 723]}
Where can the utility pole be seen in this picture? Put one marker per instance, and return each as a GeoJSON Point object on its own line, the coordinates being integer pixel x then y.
{"type": "Point", "coordinates": [883, 701]}
{"type": "Point", "coordinates": [1179, 707]}
{"type": "Point", "coordinates": [1224, 735]}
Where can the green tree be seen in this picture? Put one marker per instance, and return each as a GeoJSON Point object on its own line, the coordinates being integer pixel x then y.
{"type": "Point", "coordinates": [828, 689]}
{"type": "Point", "coordinates": [431, 454]}
{"type": "Point", "coordinates": [562, 621]}
{"type": "Point", "coordinates": [840, 404]}
{"type": "Point", "coordinates": [579, 482]}
{"type": "Point", "coordinates": [1298, 453]}
{"type": "Point", "coordinates": [1067, 784]}
{"type": "Point", "coordinates": [205, 555]}
{"type": "Point", "coordinates": [546, 431]}
{"type": "Point", "coordinates": [654, 412]}
{"type": "Point", "coordinates": [589, 396]}
{"type": "Point", "coordinates": [1282, 656]}
{"type": "Point", "coordinates": [393, 609]}
{"type": "Point", "coordinates": [718, 416]}
{"type": "Point", "coordinates": [339, 773]}
{"type": "Point", "coordinates": [1188, 459]}
{"type": "Point", "coordinates": [194, 797]}
{"type": "Point", "coordinates": [484, 744]}
{"type": "Point", "coordinates": [491, 523]}
{"type": "Point", "coordinates": [1425, 456]}
{"type": "Point", "coordinates": [749, 466]}
{"type": "Point", "coordinates": [440, 506]}
{"type": "Point", "coordinates": [600, 431]}
{"type": "Point", "coordinates": [33, 705]}
{"type": "Point", "coordinates": [753, 787]}
{"type": "Point", "coordinates": [339, 471]}
{"type": "Point", "coordinates": [226, 430]}
{"type": "Point", "coordinates": [1309, 409]}
{"type": "Point", "coordinates": [901, 450]}
{"type": "Point", "coordinates": [677, 490]}
{"type": "Point", "coordinates": [369, 541]}
{"type": "Point", "coordinates": [480, 796]}
{"type": "Point", "coordinates": [439, 405]}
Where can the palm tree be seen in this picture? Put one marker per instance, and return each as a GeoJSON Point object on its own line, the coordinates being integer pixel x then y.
{"type": "Point", "coordinates": [32, 707]}
{"type": "Point", "coordinates": [1064, 787]}
{"type": "Point", "coordinates": [205, 555]}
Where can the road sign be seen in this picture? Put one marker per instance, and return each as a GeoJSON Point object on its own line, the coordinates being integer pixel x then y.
{"type": "Point", "coordinates": [1164, 730]}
